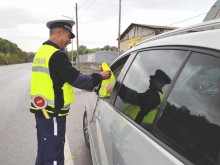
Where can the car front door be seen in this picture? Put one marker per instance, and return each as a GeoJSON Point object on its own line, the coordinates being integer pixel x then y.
{"type": "Point", "coordinates": [120, 139]}
{"type": "Point", "coordinates": [102, 105]}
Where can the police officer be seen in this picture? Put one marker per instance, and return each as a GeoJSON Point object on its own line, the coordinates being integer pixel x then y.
{"type": "Point", "coordinates": [53, 78]}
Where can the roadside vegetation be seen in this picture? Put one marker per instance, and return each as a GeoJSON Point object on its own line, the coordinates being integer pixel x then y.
{"type": "Point", "coordinates": [10, 53]}
{"type": "Point", "coordinates": [84, 50]}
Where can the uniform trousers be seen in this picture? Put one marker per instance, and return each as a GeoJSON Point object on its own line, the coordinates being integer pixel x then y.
{"type": "Point", "coordinates": [51, 139]}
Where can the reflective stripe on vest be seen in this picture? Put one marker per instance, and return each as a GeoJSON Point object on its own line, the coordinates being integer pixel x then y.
{"type": "Point", "coordinates": [40, 69]}
{"type": "Point", "coordinates": [132, 110]}
{"type": "Point", "coordinates": [42, 84]}
{"type": "Point", "coordinates": [105, 87]}
{"type": "Point", "coordinates": [109, 82]}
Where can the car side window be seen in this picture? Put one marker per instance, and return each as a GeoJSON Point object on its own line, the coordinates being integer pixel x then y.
{"type": "Point", "coordinates": [190, 122]}
{"type": "Point", "coordinates": [117, 71]}
{"type": "Point", "coordinates": [136, 81]}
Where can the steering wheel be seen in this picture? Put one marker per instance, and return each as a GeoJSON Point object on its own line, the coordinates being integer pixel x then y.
{"type": "Point", "coordinates": [208, 87]}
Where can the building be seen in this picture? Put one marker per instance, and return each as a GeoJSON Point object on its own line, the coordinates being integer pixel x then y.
{"type": "Point", "coordinates": [136, 33]}
{"type": "Point", "coordinates": [95, 60]}
{"type": "Point", "coordinates": [214, 12]}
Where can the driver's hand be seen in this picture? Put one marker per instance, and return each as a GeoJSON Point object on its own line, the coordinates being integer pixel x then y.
{"type": "Point", "coordinates": [109, 89]}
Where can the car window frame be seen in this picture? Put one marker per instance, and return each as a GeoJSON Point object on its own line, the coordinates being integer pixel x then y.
{"type": "Point", "coordinates": [125, 70]}
{"type": "Point", "coordinates": [132, 59]}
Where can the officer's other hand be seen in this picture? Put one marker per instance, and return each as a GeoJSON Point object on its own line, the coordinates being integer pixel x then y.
{"type": "Point", "coordinates": [105, 74]}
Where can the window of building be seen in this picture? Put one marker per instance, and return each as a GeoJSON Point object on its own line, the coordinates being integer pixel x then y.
{"type": "Point", "coordinates": [218, 15]}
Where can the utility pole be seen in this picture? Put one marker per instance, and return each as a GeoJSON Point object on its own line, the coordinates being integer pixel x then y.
{"type": "Point", "coordinates": [72, 51]}
{"type": "Point", "coordinates": [77, 38]}
{"type": "Point", "coordinates": [119, 28]}
{"type": "Point", "coordinates": [72, 40]}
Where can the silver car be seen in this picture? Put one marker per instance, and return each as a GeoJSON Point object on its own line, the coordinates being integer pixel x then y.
{"type": "Point", "coordinates": [186, 129]}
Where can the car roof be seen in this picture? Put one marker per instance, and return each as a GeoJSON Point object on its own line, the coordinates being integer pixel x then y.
{"type": "Point", "coordinates": [198, 35]}
{"type": "Point", "coordinates": [207, 39]}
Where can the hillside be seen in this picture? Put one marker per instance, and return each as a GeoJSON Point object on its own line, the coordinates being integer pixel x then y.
{"type": "Point", "coordinates": [10, 53]}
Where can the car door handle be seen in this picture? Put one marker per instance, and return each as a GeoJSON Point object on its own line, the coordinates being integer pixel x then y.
{"type": "Point", "coordinates": [98, 115]}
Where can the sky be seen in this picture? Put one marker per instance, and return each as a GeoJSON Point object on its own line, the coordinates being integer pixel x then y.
{"type": "Point", "coordinates": [23, 22]}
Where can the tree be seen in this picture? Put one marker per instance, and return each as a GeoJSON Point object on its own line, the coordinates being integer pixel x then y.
{"type": "Point", "coordinates": [31, 56]}
{"type": "Point", "coordinates": [107, 47]}
{"type": "Point", "coordinates": [82, 48]}
{"type": "Point", "coordinates": [113, 48]}
{"type": "Point", "coordinates": [69, 54]}
{"type": "Point", "coordinates": [10, 53]}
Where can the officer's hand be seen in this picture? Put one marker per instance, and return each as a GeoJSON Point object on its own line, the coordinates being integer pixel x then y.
{"type": "Point", "coordinates": [105, 74]}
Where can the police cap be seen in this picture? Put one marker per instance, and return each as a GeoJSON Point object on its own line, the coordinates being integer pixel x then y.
{"type": "Point", "coordinates": [161, 75]}
{"type": "Point", "coordinates": [66, 24]}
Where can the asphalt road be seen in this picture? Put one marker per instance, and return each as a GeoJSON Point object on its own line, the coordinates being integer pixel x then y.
{"type": "Point", "coordinates": [75, 129]}
{"type": "Point", "coordinates": [18, 143]}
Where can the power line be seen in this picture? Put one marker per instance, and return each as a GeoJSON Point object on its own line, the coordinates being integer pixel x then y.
{"type": "Point", "coordinates": [187, 19]}
{"type": "Point", "coordinates": [84, 3]}
{"type": "Point", "coordinates": [86, 8]}
{"type": "Point", "coordinates": [81, 1]}
{"type": "Point", "coordinates": [67, 17]}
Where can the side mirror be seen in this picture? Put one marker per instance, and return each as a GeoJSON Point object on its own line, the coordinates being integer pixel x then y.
{"type": "Point", "coordinates": [87, 90]}
{"type": "Point", "coordinates": [96, 89]}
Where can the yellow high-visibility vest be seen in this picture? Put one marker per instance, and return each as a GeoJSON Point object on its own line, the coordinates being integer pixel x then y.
{"type": "Point", "coordinates": [42, 84]}
{"type": "Point", "coordinates": [109, 82]}
{"type": "Point", "coordinates": [132, 110]}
